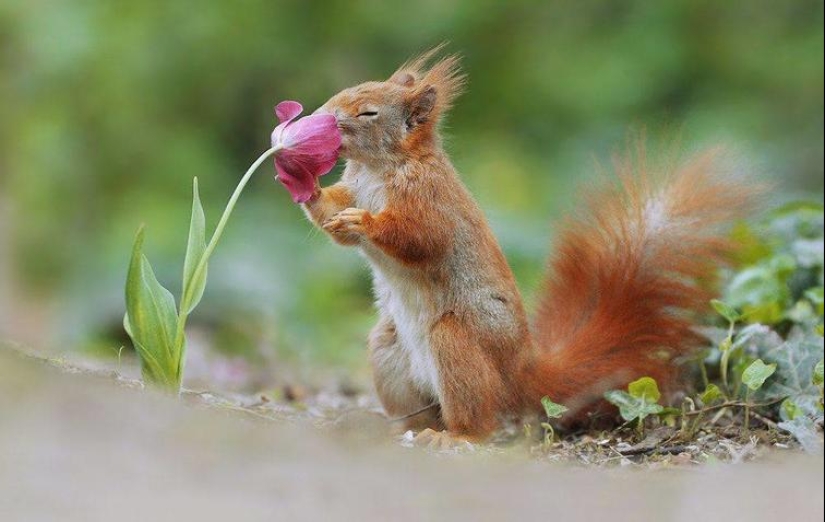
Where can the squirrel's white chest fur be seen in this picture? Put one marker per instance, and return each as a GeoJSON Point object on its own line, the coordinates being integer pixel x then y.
{"type": "Point", "coordinates": [412, 312]}
{"type": "Point", "coordinates": [399, 292]}
{"type": "Point", "coordinates": [368, 188]}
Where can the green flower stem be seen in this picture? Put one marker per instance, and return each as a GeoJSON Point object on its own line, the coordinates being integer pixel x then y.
{"type": "Point", "coordinates": [230, 206]}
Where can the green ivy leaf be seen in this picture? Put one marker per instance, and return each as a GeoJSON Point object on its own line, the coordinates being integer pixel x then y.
{"type": "Point", "coordinates": [711, 394]}
{"type": "Point", "coordinates": [808, 253]}
{"type": "Point", "coordinates": [790, 410]}
{"type": "Point", "coordinates": [726, 311]}
{"type": "Point", "coordinates": [629, 406]}
{"type": "Point", "coordinates": [756, 337]}
{"type": "Point", "coordinates": [795, 360]}
{"type": "Point", "coordinates": [193, 286]}
{"type": "Point", "coordinates": [804, 430]}
{"type": "Point", "coordinates": [803, 312]}
{"type": "Point", "coordinates": [632, 408]}
{"type": "Point", "coordinates": [819, 378]}
{"type": "Point", "coordinates": [761, 291]}
{"type": "Point", "coordinates": [817, 297]}
{"type": "Point", "coordinates": [645, 389]}
{"type": "Point", "coordinates": [772, 312]}
{"type": "Point", "coordinates": [639, 401]}
{"type": "Point", "coordinates": [553, 410]}
{"type": "Point", "coordinates": [757, 373]}
{"type": "Point", "coordinates": [151, 320]}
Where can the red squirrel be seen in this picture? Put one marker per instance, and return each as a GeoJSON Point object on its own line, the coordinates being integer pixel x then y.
{"type": "Point", "coordinates": [623, 289]}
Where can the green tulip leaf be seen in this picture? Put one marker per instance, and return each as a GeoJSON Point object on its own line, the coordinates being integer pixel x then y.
{"type": "Point", "coordinates": [194, 284]}
{"type": "Point", "coordinates": [151, 319]}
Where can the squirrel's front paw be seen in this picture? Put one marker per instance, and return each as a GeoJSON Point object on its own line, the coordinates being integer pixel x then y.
{"type": "Point", "coordinates": [348, 226]}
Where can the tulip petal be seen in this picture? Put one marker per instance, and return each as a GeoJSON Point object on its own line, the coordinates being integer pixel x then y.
{"type": "Point", "coordinates": [313, 134]}
{"type": "Point", "coordinates": [277, 135]}
{"type": "Point", "coordinates": [296, 178]}
{"type": "Point", "coordinates": [288, 110]}
{"type": "Point", "coordinates": [314, 125]}
{"type": "Point", "coordinates": [309, 148]}
{"type": "Point", "coordinates": [325, 167]}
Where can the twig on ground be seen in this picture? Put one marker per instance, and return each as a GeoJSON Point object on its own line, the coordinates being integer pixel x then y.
{"type": "Point", "coordinates": [716, 418]}
{"type": "Point", "coordinates": [730, 404]}
{"type": "Point", "coordinates": [764, 420]}
{"type": "Point", "coordinates": [666, 450]}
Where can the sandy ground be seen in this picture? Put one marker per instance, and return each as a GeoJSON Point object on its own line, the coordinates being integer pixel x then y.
{"type": "Point", "coordinates": [80, 448]}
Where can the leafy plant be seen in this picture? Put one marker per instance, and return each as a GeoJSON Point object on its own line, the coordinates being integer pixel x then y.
{"type": "Point", "coordinates": [756, 374]}
{"type": "Point", "coordinates": [754, 378]}
{"type": "Point", "coordinates": [796, 360]}
{"type": "Point", "coordinates": [726, 311]}
{"type": "Point", "coordinates": [771, 346]}
{"type": "Point", "coordinates": [784, 267]}
{"type": "Point", "coordinates": [726, 347]}
{"type": "Point", "coordinates": [711, 395]}
{"type": "Point", "coordinates": [552, 411]}
{"type": "Point", "coordinates": [153, 321]}
{"type": "Point", "coordinates": [639, 401]}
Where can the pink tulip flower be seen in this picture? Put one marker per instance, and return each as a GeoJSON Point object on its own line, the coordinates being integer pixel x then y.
{"type": "Point", "coordinates": [309, 149]}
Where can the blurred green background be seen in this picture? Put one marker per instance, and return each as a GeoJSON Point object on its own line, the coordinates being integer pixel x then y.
{"type": "Point", "coordinates": [110, 108]}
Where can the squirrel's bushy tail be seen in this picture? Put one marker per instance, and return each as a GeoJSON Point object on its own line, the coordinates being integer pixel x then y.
{"type": "Point", "coordinates": [630, 274]}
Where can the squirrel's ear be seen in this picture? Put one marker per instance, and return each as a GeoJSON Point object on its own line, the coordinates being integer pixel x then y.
{"type": "Point", "coordinates": [420, 106]}
{"type": "Point", "coordinates": [403, 78]}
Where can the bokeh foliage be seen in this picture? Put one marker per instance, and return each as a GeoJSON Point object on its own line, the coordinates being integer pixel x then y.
{"type": "Point", "coordinates": [110, 109]}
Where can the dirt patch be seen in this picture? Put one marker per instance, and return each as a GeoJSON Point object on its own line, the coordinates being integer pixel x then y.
{"type": "Point", "coordinates": [77, 444]}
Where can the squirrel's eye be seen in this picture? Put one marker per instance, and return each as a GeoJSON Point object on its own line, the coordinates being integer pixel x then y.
{"type": "Point", "coordinates": [368, 114]}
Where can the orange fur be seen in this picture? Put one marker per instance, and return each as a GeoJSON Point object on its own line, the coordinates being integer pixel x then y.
{"type": "Point", "coordinates": [619, 304]}
{"type": "Point", "coordinates": [445, 75]}
{"type": "Point", "coordinates": [625, 284]}
{"type": "Point", "coordinates": [327, 203]}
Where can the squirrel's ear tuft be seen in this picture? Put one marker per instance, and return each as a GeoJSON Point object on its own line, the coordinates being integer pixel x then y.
{"type": "Point", "coordinates": [444, 77]}
{"type": "Point", "coordinates": [448, 80]}
{"type": "Point", "coordinates": [412, 70]}
{"type": "Point", "coordinates": [421, 106]}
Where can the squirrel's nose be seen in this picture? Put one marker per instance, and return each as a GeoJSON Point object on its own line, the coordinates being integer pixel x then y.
{"type": "Point", "coordinates": [335, 112]}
